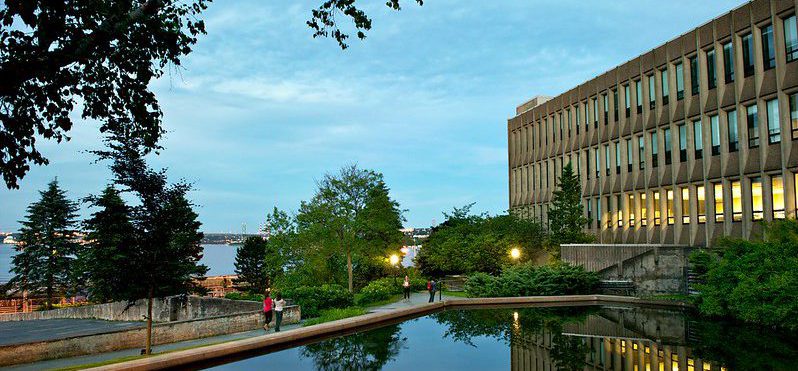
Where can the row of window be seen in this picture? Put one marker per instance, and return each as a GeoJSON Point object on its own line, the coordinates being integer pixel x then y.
{"type": "Point", "coordinates": [749, 62]}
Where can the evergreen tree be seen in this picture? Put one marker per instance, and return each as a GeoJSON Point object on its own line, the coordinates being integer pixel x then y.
{"type": "Point", "coordinates": [250, 265]}
{"type": "Point", "coordinates": [566, 215]}
{"type": "Point", "coordinates": [46, 252]}
{"type": "Point", "coordinates": [111, 244]}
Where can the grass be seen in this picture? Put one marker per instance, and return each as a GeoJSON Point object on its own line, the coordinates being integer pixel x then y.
{"type": "Point", "coordinates": [329, 315]}
{"type": "Point", "coordinates": [459, 294]}
{"type": "Point", "coordinates": [672, 297]}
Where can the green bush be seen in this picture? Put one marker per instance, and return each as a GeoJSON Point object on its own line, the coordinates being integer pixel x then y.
{"type": "Point", "coordinates": [244, 296]}
{"type": "Point", "coordinates": [329, 315]}
{"type": "Point", "coordinates": [384, 288]}
{"type": "Point", "coordinates": [313, 299]}
{"type": "Point", "coordinates": [530, 280]}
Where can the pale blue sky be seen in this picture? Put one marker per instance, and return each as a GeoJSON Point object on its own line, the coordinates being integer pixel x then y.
{"type": "Point", "coordinates": [261, 109]}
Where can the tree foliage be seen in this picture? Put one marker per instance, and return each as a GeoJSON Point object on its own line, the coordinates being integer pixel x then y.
{"type": "Point", "coordinates": [466, 243]}
{"type": "Point", "coordinates": [530, 280]}
{"type": "Point", "coordinates": [250, 265]}
{"type": "Point", "coordinates": [566, 215]}
{"type": "Point", "coordinates": [44, 262]}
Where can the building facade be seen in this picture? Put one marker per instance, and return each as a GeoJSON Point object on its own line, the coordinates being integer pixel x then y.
{"type": "Point", "coordinates": [695, 139]}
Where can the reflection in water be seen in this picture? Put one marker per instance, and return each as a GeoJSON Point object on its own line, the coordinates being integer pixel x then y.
{"type": "Point", "coordinates": [369, 350]}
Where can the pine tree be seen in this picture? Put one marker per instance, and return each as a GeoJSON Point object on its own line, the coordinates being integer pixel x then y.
{"type": "Point", "coordinates": [566, 215]}
{"type": "Point", "coordinates": [46, 253]}
{"type": "Point", "coordinates": [250, 265]}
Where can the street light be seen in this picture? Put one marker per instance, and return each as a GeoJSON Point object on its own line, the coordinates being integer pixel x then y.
{"type": "Point", "coordinates": [515, 253]}
{"type": "Point", "coordinates": [394, 261]}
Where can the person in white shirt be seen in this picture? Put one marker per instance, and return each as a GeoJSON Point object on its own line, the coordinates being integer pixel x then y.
{"type": "Point", "coordinates": [279, 304]}
{"type": "Point", "coordinates": [406, 288]}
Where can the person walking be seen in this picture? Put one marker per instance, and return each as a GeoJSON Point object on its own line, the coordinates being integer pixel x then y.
{"type": "Point", "coordinates": [406, 288]}
{"type": "Point", "coordinates": [279, 304]}
{"type": "Point", "coordinates": [431, 289]}
{"type": "Point", "coordinates": [268, 303]}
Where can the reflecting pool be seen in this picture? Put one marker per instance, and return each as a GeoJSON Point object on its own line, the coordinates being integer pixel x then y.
{"type": "Point", "coordinates": [563, 338]}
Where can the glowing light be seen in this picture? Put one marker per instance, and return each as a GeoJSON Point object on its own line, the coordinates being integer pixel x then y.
{"type": "Point", "coordinates": [515, 253]}
{"type": "Point", "coordinates": [394, 259]}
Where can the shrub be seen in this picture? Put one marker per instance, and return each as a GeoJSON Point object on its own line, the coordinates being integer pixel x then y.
{"type": "Point", "coordinates": [313, 299]}
{"type": "Point", "coordinates": [384, 288]}
{"type": "Point", "coordinates": [335, 314]}
{"type": "Point", "coordinates": [244, 296]}
{"type": "Point", "coordinates": [530, 280]}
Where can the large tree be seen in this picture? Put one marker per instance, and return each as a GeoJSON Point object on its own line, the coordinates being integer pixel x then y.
{"type": "Point", "coordinates": [351, 216]}
{"type": "Point", "coordinates": [566, 215]}
{"type": "Point", "coordinates": [47, 245]}
{"type": "Point", "coordinates": [101, 56]}
{"type": "Point", "coordinates": [250, 265]}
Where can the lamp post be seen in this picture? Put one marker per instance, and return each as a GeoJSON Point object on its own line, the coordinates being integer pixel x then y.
{"type": "Point", "coordinates": [394, 261]}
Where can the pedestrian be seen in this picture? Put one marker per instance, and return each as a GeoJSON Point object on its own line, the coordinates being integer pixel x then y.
{"type": "Point", "coordinates": [268, 303]}
{"type": "Point", "coordinates": [406, 288]}
{"type": "Point", "coordinates": [279, 304]}
{"type": "Point", "coordinates": [431, 288]}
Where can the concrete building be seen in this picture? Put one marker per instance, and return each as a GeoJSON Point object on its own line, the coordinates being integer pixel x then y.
{"type": "Point", "coordinates": [695, 139]}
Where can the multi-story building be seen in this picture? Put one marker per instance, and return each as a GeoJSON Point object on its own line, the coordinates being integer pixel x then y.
{"type": "Point", "coordinates": [695, 139]}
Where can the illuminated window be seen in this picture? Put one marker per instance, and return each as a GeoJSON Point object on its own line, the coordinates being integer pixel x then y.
{"type": "Point", "coordinates": [663, 74]}
{"type": "Point", "coordinates": [774, 128]}
{"type": "Point", "coordinates": [698, 140]}
{"type": "Point", "coordinates": [679, 81]}
{"type": "Point", "coordinates": [718, 196]}
{"type": "Point", "coordinates": [731, 122]}
{"type": "Point", "coordinates": [794, 115]}
{"type": "Point", "coordinates": [669, 206]}
{"type": "Point", "coordinates": [619, 210]}
{"type": "Point", "coordinates": [712, 79]}
{"type": "Point", "coordinates": [666, 134]}
{"type": "Point", "coordinates": [654, 149]}
{"type": "Point", "coordinates": [631, 206]}
{"type": "Point", "coordinates": [737, 201]}
{"type": "Point", "coordinates": [790, 39]}
{"type": "Point", "coordinates": [753, 126]}
{"type": "Point", "coordinates": [768, 49]}
{"type": "Point", "coordinates": [685, 205]}
{"type": "Point", "coordinates": [715, 134]}
{"type": "Point", "coordinates": [701, 203]}
{"type": "Point", "coordinates": [777, 194]}
{"type": "Point", "coordinates": [643, 210]}
{"type": "Point", "coordinates": [657, 219]}
{"type": "Point", "coordinates": [758, 208]}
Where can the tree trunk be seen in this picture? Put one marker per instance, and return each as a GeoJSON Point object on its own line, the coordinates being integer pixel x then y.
{"type": "Point", "coordinates": [349, 268]}
{"type": "Point", "coordinates": [148, 348]}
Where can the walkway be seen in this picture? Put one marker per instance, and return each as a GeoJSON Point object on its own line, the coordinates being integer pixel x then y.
{"type": "Point", "coordinates": [415, 298]}
{"type": "Point", "coordinates": [20, 332]}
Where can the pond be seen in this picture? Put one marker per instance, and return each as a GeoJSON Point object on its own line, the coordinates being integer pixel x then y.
{"type": "Point", "coordinates": [564, 338]}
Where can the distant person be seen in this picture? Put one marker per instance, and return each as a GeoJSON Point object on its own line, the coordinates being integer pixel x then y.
{"type": "Point", "coordinates": [406, 288]}
{"type": "Point", "coordinates": [431, 288]}
{"type": "Point", "coordinates": [279, 304]}
{"type": "Point", "coordinates": [268, 303]}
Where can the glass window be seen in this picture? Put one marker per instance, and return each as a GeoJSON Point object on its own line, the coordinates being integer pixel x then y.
{"type": "Point", "coordinates": [737, 201]}
{"type": "Point", "coordinates": [701, 200]}
{"type": "Point", "coordinates": [606, 108]}
{"type": "Point", "coordinates": [615, 103]}
{"type": "Point", "coordinates": [654, 149]}
{"type": "Point", "coordinates": [731, 121]}
{"type": "Point", "coordinates": [652, 95]}
{"type": "Point", "coordinates": [629, 153]}
{"type": "Point", "coordinates": [609, 212]}
{"type": "Point", "coordinates": [794, 115]}
{"type": "Point", "coordinates": [643, 210]}
{"type": "Point", "coordinates": [666, 134]}
{"type": "Point", "coordinates": [777, 194]}
{"type": "Point", "coordinates": [790, 39]}
{"type": "Point", "coordinates": [685, 205]}
{"type": "Point", "coordinates": [679, 81]}
{"type": "Point", "coordinates": [758, 208]}
{"type": "Point", "coordinates": [595, 113]}
{"type": "Point", "coordinates": [641, 154]}
{"type": "Point", "coordinates": [627, 100]}
{"type": "Point", "coordinates": [718, 196]}
{"type": "Point", "coordinates": [589, 213]}
{"type": "Point", "coordinates": [639, 95]}
{"type": "Point", "coordinates": [617, 157]}
{"type": "Point", "coordinates": [630, 205]}
{"type": "Point", "coordinates": [774, 128]}
{"type": "Point", "coordinates": [728, 62]}
{"type": "Point", "coordinates": [619, 211]}
{"type": "Point", "coordinates": [598, 166]}
{"type": "Point", "coordinates": [682, 143]}
{"type": "Point", "coordinates": [607, 159]}
{"type": "Point", "coordinates": [698, 139]}
{"type": "Point", "coordinates": [694, 75]}
{"type": "Point", "coordinates": [715, 134]}
{"type": "Point", "coordinates": [598, 213]}
{"type": "Point", "coordinates": [663, 74]}
{"type": "Point", "coordinates": [712, 79]}
{"type": "Point", "coordinates": [748, 55]}
{"type": "Point", "coordinates": [570, 123]}
{"type": "Point", "coordinates": [657, 220]}
{"type": "Point", "coordinates": [669, 206]}
{"type": "Point", "coordinates": [587, 164]}
{"type": "Point", "coordinates": [578, 122]}
{"type": "Point", "coordinates": [753, 126]}
{"type": "Point", "coordinates": [768, 50]}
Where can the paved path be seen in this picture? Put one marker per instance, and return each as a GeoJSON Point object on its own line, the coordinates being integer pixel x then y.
{"type": "Point", "coordinates": [415, 298]}
{"type": "Point", "coordinates": [20, 332]}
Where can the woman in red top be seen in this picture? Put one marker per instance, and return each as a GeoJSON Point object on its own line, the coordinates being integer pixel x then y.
{"type": "Point", "coordinates": [268, 304]}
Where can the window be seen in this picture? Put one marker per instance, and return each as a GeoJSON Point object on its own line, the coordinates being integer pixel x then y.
{"type": "Point", "coordinates": [641, 154]}
{"type": "Point", "coordinates": [652, 95]}
{"type": "Point", "coordinates": [666, 134]}
{"type": "Point", "coordinates": [731, 121]}
{"type": "Point", "coordinates": [712, 79]}
{"type": "Point", "coordinates": [698, 140]}
{"type": "Point", "coordinates": [587, 164]}
{"type": "Point", "coordinates": [584, 106]}
{"type": "Point", "coordinates": [607, 159]}
{"type": "Point", "coordinates": [737, 201]}
{"type": "Point", "coordinates": [589, 213]}
{"type": "Point", "coordinates": [576, 110]}
{"type": "Point", "coordinates": [618, 157]}
{"type": "Point", "coordinates": [701, 200]}
{"type": "Point", "coordinates": [598, 213]}
{"type": "Point", "coordinates": [679, 81]}
{"type": "Point", "coordinates": [609, 212]}
{"type": "Point", "coordinates": [629, 155]}
{"type": "Point", "coordinates": [718, 196]}
{"type": "Point", "coordinates": [794, 115]}
{"type": "Point", "coordinates": [657, 220]}
{"type": "Point", "coordinates": [694, 75]}
{"type": "Point", "coordinates": [568, 114]}
{"type": "Point", "coordinates": [559, 120]}
{"type": "Point", "coordinates": [631, 206]}
{"type": "Point", "coordinates": [777, 195]}
{"type": "Point", "coordinates": [643, 210]}
{"type": "Point", "coordinates": [615, 103]}
{"type": "Point", "coordinates": [748, 55]}
{"type": "Point", "coordinates": [663, 74]}
{"type": "Point", "coordinates": [606, 101]}
{"type": "Point", "coordinates": [715, 134]}
{"type": "Point", "coordinates": [595, 113]}
{"type": "Point", "coordinates": [685, 205]}
{"type": "Point", "coordinates": [682, 143]}
{"type": "Point", "coordinates": [768, 50]}
{"type": "Point", "coordinates": [753, 126]}
{"type": "Point", "coordinates": [728, 62]}
{"type": "Point", "coordinates": [790, 39]}
{"type": "Point", "coordinates": [627, 100]}
{"type": "Point", "coordinates": [547, 174]}
{"type": "Point", "coordinates": [547, 130]}
{"type": "Point", "coordinates": [774, 128]}
{"type": "Point", "coordinates": [654, 150]}
{"type": "Point", "coordinates": [619, 211]}
{"type": "Point", "coordinates": [639, 95]}
{"type": "Point", "coordinates": [669, 206]}
{"type": "Point", "coordinates": [598, 166]}
{"type": "Point", "coordinates": [758, 208]}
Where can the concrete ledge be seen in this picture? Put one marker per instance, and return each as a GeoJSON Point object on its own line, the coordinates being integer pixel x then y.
{"type": "Point", "coordinates": [222, 353]}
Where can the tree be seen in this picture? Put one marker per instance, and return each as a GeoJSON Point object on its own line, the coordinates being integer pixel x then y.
{"type": "Point", "coordinates": [250, 265]}
{"type": "Point", "coordinates": [103, 262]}
{"type": "Point", "coordinates": [351, 216]}
{"type": "Point", "coordinates": [566, 215]}
{"type": "Point", "coordinates": [280, 252]}
{"type": "Point", "coordinates": [103, 56]}
{"type": "Point", "coordinates": [47, 245]}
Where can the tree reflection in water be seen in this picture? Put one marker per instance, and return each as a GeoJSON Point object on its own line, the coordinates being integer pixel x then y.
{"type": "Point", "coordinates": [369, 350]}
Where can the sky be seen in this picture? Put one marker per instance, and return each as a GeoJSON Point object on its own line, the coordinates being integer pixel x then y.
{"type": "Point", "coordinates": [261, 110]}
